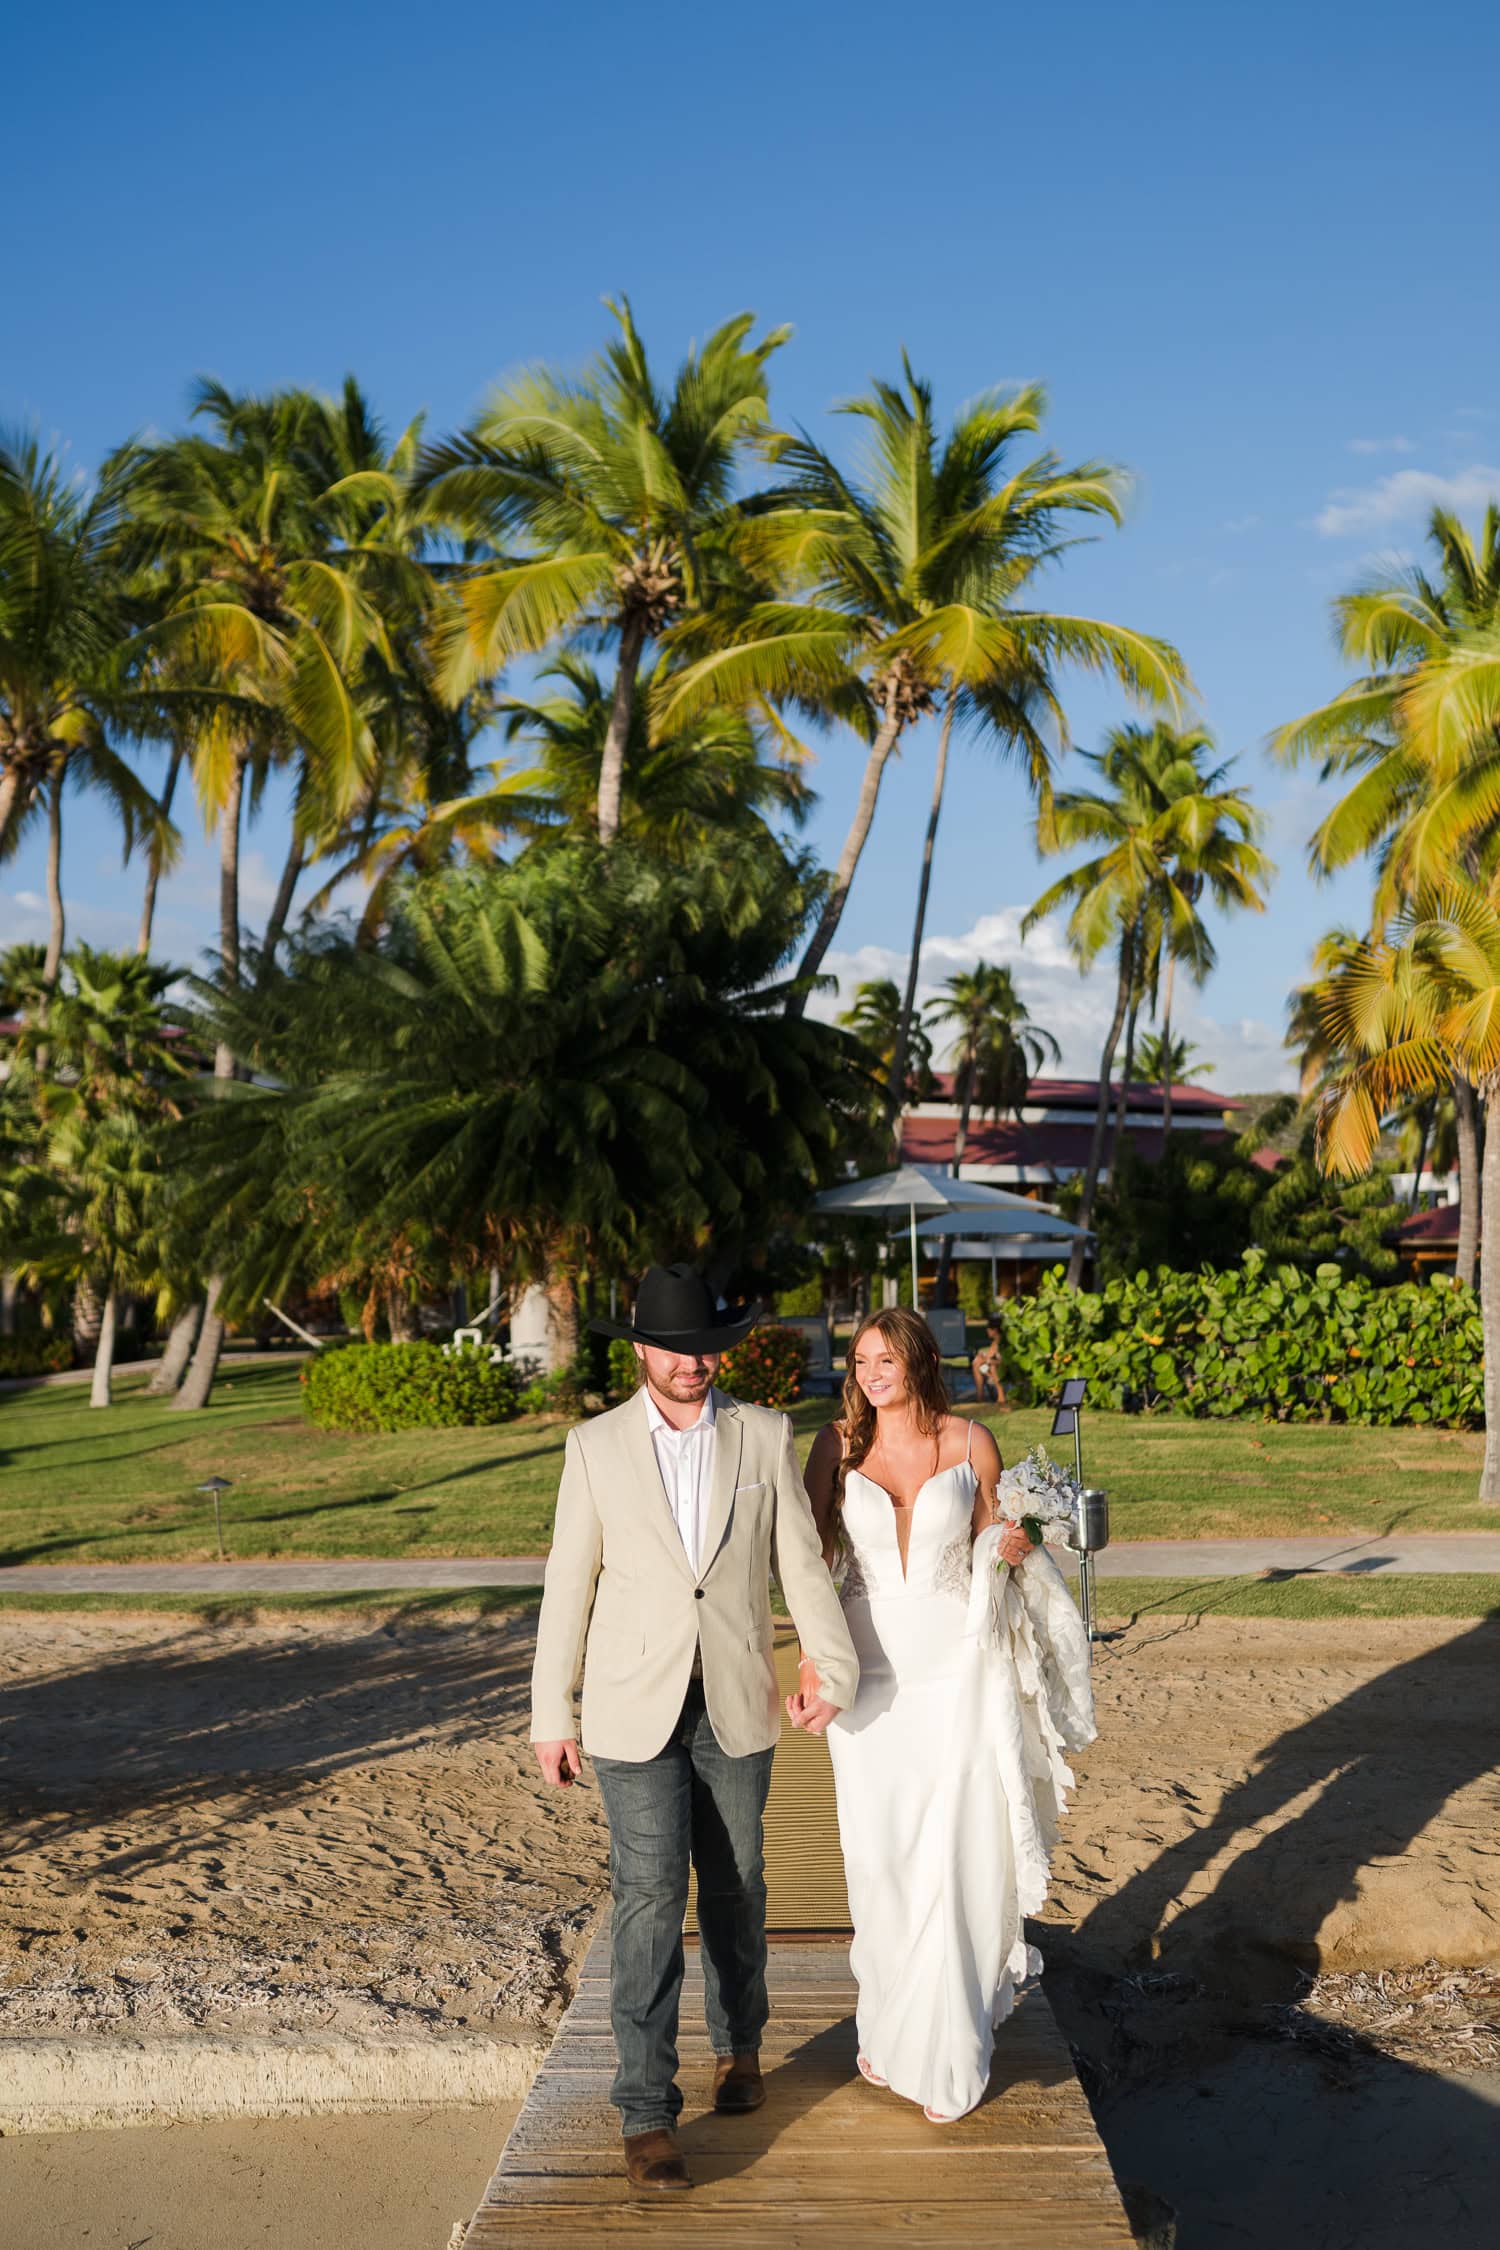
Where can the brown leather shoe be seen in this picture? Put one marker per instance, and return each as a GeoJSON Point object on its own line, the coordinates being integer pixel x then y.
{"type": "Point", "coordinates": [654, 2161]}
{"type": "Point", "coordinates": [738, 2085]}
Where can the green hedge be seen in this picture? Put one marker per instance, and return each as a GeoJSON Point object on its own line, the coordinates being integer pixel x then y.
{"type": "Point", "coordinates": [1258, 1339]}
{"type": "Point", "coordinates": [406, 1387]}
{"type": "Point", "coordinates": [35, 1352]}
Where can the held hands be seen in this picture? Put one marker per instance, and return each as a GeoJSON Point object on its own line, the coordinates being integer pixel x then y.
{"type": "Point", "coordinates": [559, 1761]}
{"type": "Point", "coordinates": [808, 1709]}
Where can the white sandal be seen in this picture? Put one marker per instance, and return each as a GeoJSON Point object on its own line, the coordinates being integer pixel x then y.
{"type": "Point", "coordinates": [873, 2076]}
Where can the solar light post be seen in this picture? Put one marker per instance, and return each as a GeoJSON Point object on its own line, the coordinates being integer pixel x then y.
{"type": "Point", "coordinates": [215, 1486]}
{"type": "Point", "coordinates": [1091, 1510]}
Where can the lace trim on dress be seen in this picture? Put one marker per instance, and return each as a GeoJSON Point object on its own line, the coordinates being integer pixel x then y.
{"type": "Point", "coordinates": [954, 1567]}
{"type": "Point", "coordinates": [854, 1586]}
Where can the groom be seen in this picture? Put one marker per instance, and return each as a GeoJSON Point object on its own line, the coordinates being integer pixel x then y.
{"type": "Point", "coordinates": [673, 1512]}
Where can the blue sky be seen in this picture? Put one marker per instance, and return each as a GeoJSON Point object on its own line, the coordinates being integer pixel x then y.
{"type": "Point", "coordinates": [1239, 246]}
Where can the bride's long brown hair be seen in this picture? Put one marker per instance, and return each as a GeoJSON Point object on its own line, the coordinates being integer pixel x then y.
{"type": "Point", "coordinates": [912, 1343]}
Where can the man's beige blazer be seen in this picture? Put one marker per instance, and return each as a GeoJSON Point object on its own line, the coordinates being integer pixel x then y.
{"type": "Point", "coordinates": [623, 1606]}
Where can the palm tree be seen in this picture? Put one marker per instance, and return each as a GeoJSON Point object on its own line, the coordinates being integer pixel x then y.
{"type": "Point", "coordinates": [999, 1048]}
{"type": "Point", "coordinates": [1166, 1061]}
{"type": "Point", "coordinates": [1421, 729]}
{"type": "Point", "coordinates": [618, 494]}
{"type": "Point", "coordinates": [712, 772]}
{"type": "Point", "coordinates": [542, 1065]}
{"type": "Point", "coordinates": [875, 1018]}
{"type": "Point", "coordinates": [273, 596]}
{"type": "Point", "coordinates": [67, 622]}
{"type": "Point", "coordinates": [1411, 1011]}
{"type": "Point", "coordinates": [1421, 726]}
{"type": "Point", "coordinates": [1170, 831]}
{"type": "Point", "coordinates": [89, 1086]}
{"type": "Point", "coordinates": [999, 1052]}
{"type": "Point", "coordinates": [903, 592]}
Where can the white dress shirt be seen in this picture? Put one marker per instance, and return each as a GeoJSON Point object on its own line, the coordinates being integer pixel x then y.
{"type": "Point", "coordinates": [686, 1461]}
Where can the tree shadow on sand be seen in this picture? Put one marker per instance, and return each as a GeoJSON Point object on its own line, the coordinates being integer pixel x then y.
{"type": "Point", "coordinates": [147, 1735]}
{"type": "Point", "coordinates": [1440, 1711]}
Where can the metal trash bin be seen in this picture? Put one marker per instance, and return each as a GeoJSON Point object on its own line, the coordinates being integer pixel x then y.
{"type": "Point", "coordinates": [1090, 1533]}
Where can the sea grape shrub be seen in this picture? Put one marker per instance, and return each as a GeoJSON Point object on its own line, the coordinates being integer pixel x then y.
{"type": "Point", "coordinates": [767, 1368]}
{"type": "Point", "coordinates": [406, 1387]}
{"type": "Point", "coordinates": [1264, 1340]}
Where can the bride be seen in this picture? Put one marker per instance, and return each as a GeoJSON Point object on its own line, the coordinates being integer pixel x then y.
{"type": "Point", "coordinates": [948, 1766]}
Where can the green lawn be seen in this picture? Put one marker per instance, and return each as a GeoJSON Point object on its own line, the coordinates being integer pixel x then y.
{"type": "Point", "coordinates": [79, 1485]}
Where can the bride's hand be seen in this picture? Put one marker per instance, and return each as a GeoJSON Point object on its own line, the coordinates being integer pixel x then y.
{"type": "Point", "coordinates": [1015, 1545]}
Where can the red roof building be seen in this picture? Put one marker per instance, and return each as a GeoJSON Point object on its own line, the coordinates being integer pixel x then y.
{"type": "Point", "coordinates": [1049, 1141]}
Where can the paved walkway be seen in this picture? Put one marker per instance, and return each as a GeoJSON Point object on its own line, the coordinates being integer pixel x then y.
{"type": "Point", "coordinates": [1355, 1555]}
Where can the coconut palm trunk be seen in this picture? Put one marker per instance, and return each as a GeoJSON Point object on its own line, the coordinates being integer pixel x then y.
{"type": "Point", "coordinates": [10, 797]}
{"type": "Point", "coordinates": [621, 712]}
{"type": "Point", "coordinates": [1101, 1107]}
{"type": "Point", "coordinates": [281, 905]}
{"type": "Point", "coordinates": [154, 856]}
{"type": "Point", "coordinates": [1470, 1185]}
{"type": "Point", "coordinates": [896, 1091]}
{"type": "Point", "coordinates": [1489, 1303]}
{"type": "Point", "coordinates": [57, 930]}
{"type": "Point", "coordinates": [199, 1380]}
{"type": "Point", "coordinates": [1123, 1103]}
{"type": "Point", "coordinates": [176, 1353]}
{"type": "Point", "coordinates": [104, 1355]}
{"type": "Point", "coordinates": [854, 843]}
{"type": "Point", "coordinates": [1424, 1136]}
{"type": "Point", "coordinates": [960, 1143]}
{"type": "Point", "coordinates": [197, 1385]}
{"type": "Point", "coordinates": [1166, 1048]}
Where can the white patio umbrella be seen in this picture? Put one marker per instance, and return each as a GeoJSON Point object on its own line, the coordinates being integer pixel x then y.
{"type": "Point", "coordinates": [909, 1189]}
{"type": "Point", "coordinates": [1017, 1222]}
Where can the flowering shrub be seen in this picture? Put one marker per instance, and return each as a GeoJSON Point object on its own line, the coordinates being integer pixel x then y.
{"type": "Point", "coordinates": [406, 1387]}
{"type": "Point", "coordinates": [35, 1353]}
{"type": "Point", "coordinates": [1258, 1339]}
{"type": "Point", "coordinates": [767, 1368]}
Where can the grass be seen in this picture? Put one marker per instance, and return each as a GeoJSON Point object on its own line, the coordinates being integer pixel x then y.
{"type": "Point", "coordinates": [1307, 1594]}
{"type": "Point", "coordinates": [79, 1485]}
{"type": "Point", "coordinates": [225, 1609]}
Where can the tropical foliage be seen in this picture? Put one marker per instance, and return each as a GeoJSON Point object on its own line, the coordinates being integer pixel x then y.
{"type": "Point", "coordinates": [413, 1386]}
{"type": "Point", "coordinates": [1259, 1338]}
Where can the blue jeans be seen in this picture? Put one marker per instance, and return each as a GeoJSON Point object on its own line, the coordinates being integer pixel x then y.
{"type": "Point", "coordinates": [690, 1800]}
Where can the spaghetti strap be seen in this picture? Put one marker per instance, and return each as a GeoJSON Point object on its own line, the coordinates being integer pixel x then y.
{"type": "Point", "coordinates": [969, 1446]}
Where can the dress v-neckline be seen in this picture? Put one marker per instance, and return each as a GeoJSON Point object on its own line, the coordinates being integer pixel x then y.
{"type": "Point", "coordinates": [903, 1560]}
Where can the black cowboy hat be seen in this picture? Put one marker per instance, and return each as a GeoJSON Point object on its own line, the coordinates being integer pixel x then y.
{"type": "Point", "coordinates": [676, 1311]}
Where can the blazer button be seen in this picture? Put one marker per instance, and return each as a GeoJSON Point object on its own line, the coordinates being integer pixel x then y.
{"type": "Point", "coordinates": [697, 1593]}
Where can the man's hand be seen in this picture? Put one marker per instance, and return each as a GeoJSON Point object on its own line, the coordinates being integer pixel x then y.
{"type": "Point", "coordinates": [559, 1761]}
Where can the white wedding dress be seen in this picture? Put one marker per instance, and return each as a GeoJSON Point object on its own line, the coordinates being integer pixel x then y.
{"type": "Point", "coordinates": [950, 1774]}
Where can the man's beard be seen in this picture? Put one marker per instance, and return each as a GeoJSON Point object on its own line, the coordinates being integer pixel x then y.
{"type": "Point", "coordinates": [685, 1388]}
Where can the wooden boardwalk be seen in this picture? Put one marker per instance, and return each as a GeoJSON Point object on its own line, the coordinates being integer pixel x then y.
{"type": "Point", "coordinates": [830, 2163]}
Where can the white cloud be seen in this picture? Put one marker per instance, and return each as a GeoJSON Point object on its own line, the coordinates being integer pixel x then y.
{"type": "Point", "coordinates": [1247, 1055]}
{"type": "Point", "coordinates": [1405, 494]}
{"type": "Point", "coordinates": [1381, 445]}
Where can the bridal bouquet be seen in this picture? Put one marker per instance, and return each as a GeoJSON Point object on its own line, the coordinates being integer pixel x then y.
{"type": "Point", "coordinates": [1040, 1497]}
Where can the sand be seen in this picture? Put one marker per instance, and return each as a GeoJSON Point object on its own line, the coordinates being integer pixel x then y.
{"type": "Point", "coordinates": [310, 1829]}
{"type": "Point", "coordinates": [292, 2183]}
